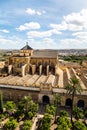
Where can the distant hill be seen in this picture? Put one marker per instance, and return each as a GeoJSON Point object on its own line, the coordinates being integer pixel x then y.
{"type": "Point", "coordinates": [60, 51]}
{"type": "Point", "coordinates": [72, 52]}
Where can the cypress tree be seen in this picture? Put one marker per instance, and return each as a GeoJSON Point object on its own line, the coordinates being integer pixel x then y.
{"type": "Point", "coordinates": [1, 103]}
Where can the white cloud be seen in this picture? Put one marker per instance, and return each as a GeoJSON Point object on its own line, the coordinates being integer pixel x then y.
{"type": "Point", "coordinates": [6, 41]}
{"type": "Point", "coordinates": [77, 21]}
{"type": "Point", "coordinates": [73, 43]}
{"type": "Point", "coordinates": [73, 22]}
{"type": "Point", "coordinates": [29, 26]}
{"type": "Point", "coordinates": [82, 38]}
{"type": "Point", "coordinates": [10, 42]}
{"type": "Point", "coordinates": [4, 30]}
{"type": "Point", "coordinates": [62, 26]}
{"type": "Point", "coordinates": [80, 35]}
{"type": "Point", "coordinates": [48, 40]}
{"type": "Point", "coordinates": [44, 43]}
{"type": "Point", "coordinates": [34, 12]}
{"type": "Point", "coordinates": [39, 34]}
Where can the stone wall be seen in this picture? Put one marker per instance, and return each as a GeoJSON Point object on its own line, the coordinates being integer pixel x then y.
{"type": "Point", "coordinates": [76, 99]}
{"type": "Point", "coordinates": [17, 94]}
{"type": "Point", "coordinates": [37, 96]}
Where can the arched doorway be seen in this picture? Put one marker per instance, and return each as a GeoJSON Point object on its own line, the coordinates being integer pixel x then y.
{"type": "Point", "coordinates": [45, 100]}
{"type": "Point", "coordinates": [68, 102]}
{"type": "Point", "coordinates": [80, 104]}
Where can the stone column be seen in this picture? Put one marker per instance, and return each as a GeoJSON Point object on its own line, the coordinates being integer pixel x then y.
{"type": "Point", "coordinates": [56, 69]}
{"type": "Point", "coordinates": [33, 69]}
{"type": "Point", "coordinates": [47, 71]}
{"type": "Point", "coordinates": [40, 69]}
{"type": "Point", "coordinates": [29, 69]}
{"type": "Point", "coordinates": [10, 69]}
{"type": "Point", "coordinates": [23, 70]}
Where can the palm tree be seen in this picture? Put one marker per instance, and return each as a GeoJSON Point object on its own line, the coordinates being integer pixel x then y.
{"type": "Point", "coordinates": [73, 88]}
{"type": "Point", "coordinates": [57, 102]}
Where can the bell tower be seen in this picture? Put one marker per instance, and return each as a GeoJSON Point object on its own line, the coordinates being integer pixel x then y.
{"type": "Point", "coordinates": [26, 50]}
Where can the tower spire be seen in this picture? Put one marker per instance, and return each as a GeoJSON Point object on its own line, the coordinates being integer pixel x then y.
{"type": "Point", "coordinates": [26, 43]}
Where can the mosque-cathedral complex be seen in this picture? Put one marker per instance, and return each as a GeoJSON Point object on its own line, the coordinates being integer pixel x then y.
{"type": "Point", "coordinates": [30, 61]}
{"type": "Point", "coordinates": [40, 74]}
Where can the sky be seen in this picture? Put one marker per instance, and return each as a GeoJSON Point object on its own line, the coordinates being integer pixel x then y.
{"type": "Point", "coordinates": [44, 24]}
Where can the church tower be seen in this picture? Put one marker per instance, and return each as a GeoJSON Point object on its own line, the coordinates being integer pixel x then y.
{"type": "Point", "coordinates": [26, 50]}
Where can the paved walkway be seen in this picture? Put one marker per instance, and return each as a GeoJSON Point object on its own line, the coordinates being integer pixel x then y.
{"type": "Point", "coordinates": [39, 116]}
{"type": "Point", "coordinates": [20, 123]}
{"type": "Point", "coordinates": [3, 123]}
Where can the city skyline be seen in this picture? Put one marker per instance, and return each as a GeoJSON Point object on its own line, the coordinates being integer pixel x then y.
{"type": "Point", "coordinates": [47, 24]}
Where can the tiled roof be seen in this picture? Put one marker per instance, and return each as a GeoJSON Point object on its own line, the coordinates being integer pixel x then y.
{"type": "Point", "coordinates": [27, 47]}
{"type": "Point", "coordinates": [45, 54]}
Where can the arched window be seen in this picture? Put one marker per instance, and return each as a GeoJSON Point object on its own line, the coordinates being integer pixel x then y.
{"type": "Point", "coordinates": [20, 65]}
{"type": "Point", "coordinates": [45, 100]}
{"type": "Point", "coordinates": [39, 63]}
{"type": "Point", "coordinates": [68, 102]}
{"type": "Point", "coordinates": [80, 104]}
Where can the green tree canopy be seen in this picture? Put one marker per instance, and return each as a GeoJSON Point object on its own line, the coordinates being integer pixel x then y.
{"type": "Point", "coordinates": [57, 99]}
{"type": "Point", "coordinates": [79, 125]}
{"type": "Point", "coordinates": [63, 113]}
{"type": "Point", "coordinates": [63, 123]}
{"type": "Point", "coordinates": [27, 125]}
{"type": "Point", "coordinates": [11, 124]}
{"type": "Point", "coordinates": [27, 105]}
{"type": "Point", "coordinates": [10, 106]}
{"type": "Point", "coordinates": [73, 86]}
{"type": "Point", "coordinates": [57, 102]}
{"type": "Point", "coordinates": [46, 122]}
{"type": "Point", "coordinates": [51, 109]}
{"type": "Point", "coordinates": [1, 102]}
{"type": "Point", "coordinates": [78, 113]}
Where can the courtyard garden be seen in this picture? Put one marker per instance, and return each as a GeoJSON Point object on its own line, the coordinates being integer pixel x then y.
{"type": "Point", "coordinates": [26, 113]}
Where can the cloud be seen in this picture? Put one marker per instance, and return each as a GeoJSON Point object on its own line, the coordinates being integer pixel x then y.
{"type": "Point", "coordinates": [77, 21]}
{"type": "Point", "coordinates": [10, 42]}
{"type": "Point", "coordinates": [29, 26]}
{"type": "Point", "coordinates": [48, 40]}
{"type": "Point", "coordinates": [43, 43]}
{"type": "Point", "coordinates": [80, 35]}
{"type": "Point", "coordinates": [75, 25]}
{"type": "Point", "coordinates": [62, 26]}
{"type": "Point", "coordinates": [6, 41]}
{"type": "Point", "coordinates": [4, 30]}
{"type": "Point", "coordinates": [34, 12]}
{"type": "Point", "coordinates": [38, 34]}
{"type": "Point", "coordinates": [73, 22]}
{"type": "Point", "coordinates": [73, 43]}
{"type": "Point", "coordinates": [77, 18]}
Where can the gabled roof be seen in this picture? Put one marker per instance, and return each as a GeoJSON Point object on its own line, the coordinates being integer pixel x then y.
{"type": "Point", "coordinates": [45, 54]}
{"type": "Point", "coordinates": [27, 47]}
